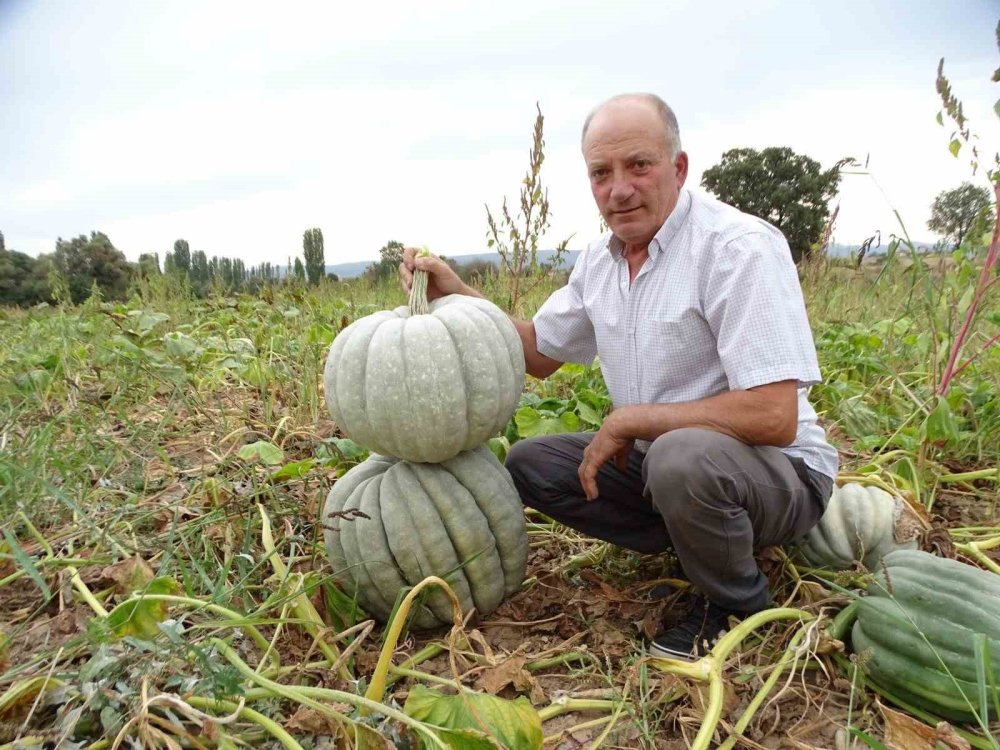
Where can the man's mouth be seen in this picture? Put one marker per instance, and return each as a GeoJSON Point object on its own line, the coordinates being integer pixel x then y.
{"type": "Point", "coordinates": [627, 210]}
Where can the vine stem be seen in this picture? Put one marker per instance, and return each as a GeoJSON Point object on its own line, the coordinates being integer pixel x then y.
{"type": "Point", "coordinates": [376, 690]}
{"type": "Point", "coordinates": [709, 667]}
{"type": "Point", "coordinates": [269, 725]}
{"type": "Point", "coordinates": [313, 623]}
{"type": "Point", "coordinates": [299, 696]}
{"type": "Point", "coordinates": [791, 655]}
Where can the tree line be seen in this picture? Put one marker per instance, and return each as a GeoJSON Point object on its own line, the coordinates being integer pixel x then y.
{"type": "Point", "coordinates": [789, 190]}
{"type": "Point", "coordinates": [80, 265]}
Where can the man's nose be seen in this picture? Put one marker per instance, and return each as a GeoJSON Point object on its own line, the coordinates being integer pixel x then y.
{"type": "Point", "coordinates": [621, 188]}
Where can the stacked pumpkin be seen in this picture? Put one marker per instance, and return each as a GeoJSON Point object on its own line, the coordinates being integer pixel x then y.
{"type": "Point", "coordinates": [424, 387]}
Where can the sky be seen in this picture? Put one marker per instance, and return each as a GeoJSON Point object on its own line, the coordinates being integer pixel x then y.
{"type": "Point", "coordinates": [238, 125]}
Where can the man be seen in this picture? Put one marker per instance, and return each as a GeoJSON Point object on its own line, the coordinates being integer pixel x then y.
{"type": "Point", "coordinates": [695, 311]}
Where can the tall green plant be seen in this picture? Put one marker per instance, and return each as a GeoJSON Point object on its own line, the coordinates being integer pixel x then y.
{"type": "Point", "coordinates": [515, 237]}
{"type": "Point", "coordinates": [977, 292]}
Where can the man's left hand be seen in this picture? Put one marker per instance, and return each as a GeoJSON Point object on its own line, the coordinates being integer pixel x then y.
{"type": "Point", "coordinates": [610, 442]}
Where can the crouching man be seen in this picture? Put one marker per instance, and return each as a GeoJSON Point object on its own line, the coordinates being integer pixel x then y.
{"type": "Point", "coordinates": [695, 311]}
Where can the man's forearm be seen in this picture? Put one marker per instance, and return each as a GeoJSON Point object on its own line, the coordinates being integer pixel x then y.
{"type": "Point", "coordinates": [767, 415]}
{"type": "Point", "coordinates": [535, 362]}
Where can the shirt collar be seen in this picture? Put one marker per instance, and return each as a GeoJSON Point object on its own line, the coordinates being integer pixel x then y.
{"type": "Point", "coordinates": [616, 245]}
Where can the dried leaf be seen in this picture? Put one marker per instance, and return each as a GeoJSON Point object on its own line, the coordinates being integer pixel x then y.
{"type": "Point", "coordinates": [511, 671]}
{"type": "Point", "coordinates": [310, 721]}
{"type": "Point", "coordinates": [903, 732]}
{"type": "Point", "coordinates": [128, 575]}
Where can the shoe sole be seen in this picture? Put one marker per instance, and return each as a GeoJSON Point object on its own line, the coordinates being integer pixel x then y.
{"type": "Point", "coordinates": [658, 652]}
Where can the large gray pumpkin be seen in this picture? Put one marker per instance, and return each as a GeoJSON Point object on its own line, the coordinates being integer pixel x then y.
{"type": "Point", "coordinates": [861, 524]}
{"type": "Point", "coordinates": [424, 387]}
{"type": "Point", "coordinates": [389, 524]}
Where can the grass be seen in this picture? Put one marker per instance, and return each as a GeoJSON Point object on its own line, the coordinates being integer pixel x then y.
{"type": "Point", "coordinates": [180, 448]}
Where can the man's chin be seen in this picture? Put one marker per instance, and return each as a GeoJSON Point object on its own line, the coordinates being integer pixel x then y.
{"type": "Point", "coordinates": [627, 228]}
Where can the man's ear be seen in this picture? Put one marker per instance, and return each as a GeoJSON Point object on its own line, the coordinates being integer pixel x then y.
{"type": "Point", "coordinates": [681, 165]}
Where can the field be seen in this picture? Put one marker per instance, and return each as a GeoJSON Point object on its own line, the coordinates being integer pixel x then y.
{"type": "Point", "coordinates": [180, 448]}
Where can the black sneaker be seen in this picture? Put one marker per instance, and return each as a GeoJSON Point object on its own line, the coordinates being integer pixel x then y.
{"type": "Point", "coordinates": [695, 634]}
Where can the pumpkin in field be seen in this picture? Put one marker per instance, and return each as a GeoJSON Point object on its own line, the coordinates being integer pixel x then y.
{"type": "Point", "coordinates": [389, 524]}
{"type": "Point", "coordinates": [861, 524]}
{"type": "Point", "coordinates": [425, 382]}
{"type": "Point", "coordinates": [918, 624]}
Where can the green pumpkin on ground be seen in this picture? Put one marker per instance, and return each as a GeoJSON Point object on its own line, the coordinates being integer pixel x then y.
{"type": "Point", "coordinates": [389, 524]}
{"type": "Point", "coordinates": [917, 626]}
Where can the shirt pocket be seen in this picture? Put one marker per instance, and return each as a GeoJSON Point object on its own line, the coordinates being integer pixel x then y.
{"type": "Point", "coordinates": [677, 353]}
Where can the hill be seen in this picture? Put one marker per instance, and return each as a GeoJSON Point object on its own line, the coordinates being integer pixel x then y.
{"type": "Point", "coordinates": [355, 269]}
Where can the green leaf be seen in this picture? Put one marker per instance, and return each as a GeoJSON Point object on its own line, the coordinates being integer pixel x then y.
{"type": "Point", "coordinates": [263, 451]}
{"type": "Point", "coordinates": [955, 146]}
{"type": "Point", "coordinates": [100, 665]}
{"type": "Point", "coordinates": [294, 470]}
{"type": "Point", "coordinates": [500, 447]}
{"type": "Point", "coordinates": [940, 425]}
{"type": "Point", "coordinates": [514, 725]}
{"type": "Point", "coordinates": [873, 743]}
{"type": "Point", "coordinates": [179, 344]}
{"type": "Point", "coordinates": [4, 651]}
{"type": "Point", "coordinates": [26, 563]}
{"type": "Point", "coordinates": [996, 107]}
{"type": "Point", "coordinates": [940, 118]}
{"type": "Point", "coordinates": [588, 414]}
{"type": "Point", "coordinates": [140, 617]}
{"type": "Point", "coordinates": [532, 423]}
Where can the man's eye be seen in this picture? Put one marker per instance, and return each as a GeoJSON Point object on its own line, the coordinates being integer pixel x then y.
{"type": "Point", "coordinates": [641, 163]}
{"type": "Point", "coordinates": [598, 173]}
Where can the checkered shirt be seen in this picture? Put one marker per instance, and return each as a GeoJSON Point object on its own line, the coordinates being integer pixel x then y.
{"type": "Point", "coordinates": [716, 307]}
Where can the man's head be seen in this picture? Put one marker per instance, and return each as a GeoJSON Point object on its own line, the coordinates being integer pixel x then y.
{"type": "Point", "coordinates": [631, 145]}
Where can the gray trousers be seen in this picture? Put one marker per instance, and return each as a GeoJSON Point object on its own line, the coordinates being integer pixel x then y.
{"type": "Point", "coordinates": [710, 498]}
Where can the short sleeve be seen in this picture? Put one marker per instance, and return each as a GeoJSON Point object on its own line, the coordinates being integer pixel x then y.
{"type": "Point", "coordinates": [563, 329]}
{"type": "Point", "coordinates": [753, 303]}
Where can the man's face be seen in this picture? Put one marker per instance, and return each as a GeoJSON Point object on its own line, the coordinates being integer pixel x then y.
{"type": "Point", "coordinates": [634, 180]}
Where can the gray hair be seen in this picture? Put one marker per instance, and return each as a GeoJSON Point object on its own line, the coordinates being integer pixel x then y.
{"type": "Point", "coordinates": [666, 115]}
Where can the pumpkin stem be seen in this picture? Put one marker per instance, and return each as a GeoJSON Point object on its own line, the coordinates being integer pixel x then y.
{"type": "Point", "coordinates": [418, 290]}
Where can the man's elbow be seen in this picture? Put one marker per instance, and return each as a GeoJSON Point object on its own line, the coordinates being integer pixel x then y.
{"type": "Point", "coordinates": [541, 366]}
{"type": "Point", "coordinates": [782, 430]}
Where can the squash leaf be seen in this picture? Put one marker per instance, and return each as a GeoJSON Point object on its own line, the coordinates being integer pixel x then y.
{"type": "Point", "coordinates": [532, 422]}
{"type": "Point", "coordinates": [140, 617]}
{"type": "Point", "coordinates": [263, 451]}
{"type": "Point", "coordinates": [295, 469]}
{"type": "Point", "coordinates": [477, 721]}
{"type": "Point", "coordinates": [940, 426]}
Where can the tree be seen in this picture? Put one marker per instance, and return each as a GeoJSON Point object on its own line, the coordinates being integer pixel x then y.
{"type": "Point", "coordinates": [299, 270]}
{"type": "Point", "coordinates": [182, 257]}
{"type": "Point", "coordinates": [390, 256]}
{"type": "Point", "coordinates": [149, 264]}
{"type": "Point", "coordinates": [201, 277]}
{"type": "Point", "coordinates": [955, 212]}
{"type": "Point", "coordinates": [84, 261]}
{"type": "Point", "coordinates": [786, 189]}
{"type": "Point", "coordinates": [3, 246]}
{"type": "Point", "coordinates": [312, 251]}
{"type": "Point", "coordinates": [22, 279]}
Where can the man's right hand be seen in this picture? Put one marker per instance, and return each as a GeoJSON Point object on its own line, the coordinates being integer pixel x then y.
{"type": "Point", "coordinates": [441, 278]}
